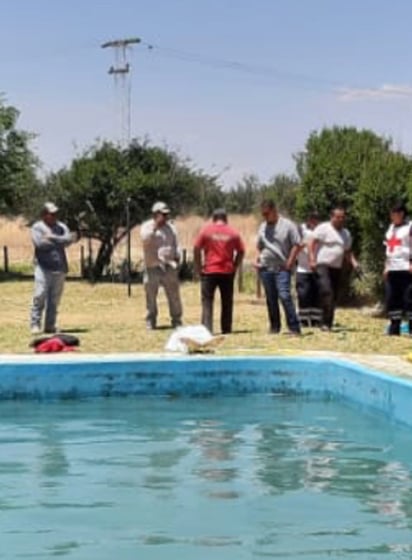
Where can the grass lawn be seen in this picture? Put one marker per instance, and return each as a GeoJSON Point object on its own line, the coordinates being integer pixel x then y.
{"type": "Point", "coordinates": [106, 320]}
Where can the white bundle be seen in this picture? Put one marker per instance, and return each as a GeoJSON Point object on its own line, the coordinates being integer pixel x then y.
{"type": "Point", "coordinates": [193, 338]}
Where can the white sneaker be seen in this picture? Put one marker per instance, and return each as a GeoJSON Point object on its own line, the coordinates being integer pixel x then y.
{"type": "Point", "coordinates": [35, 330]}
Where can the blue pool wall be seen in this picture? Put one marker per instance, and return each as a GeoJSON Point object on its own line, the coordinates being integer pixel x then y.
{"type": "Point", "coordinates": [62, 377]}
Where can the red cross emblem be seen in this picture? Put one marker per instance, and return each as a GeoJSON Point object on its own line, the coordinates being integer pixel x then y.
{"type": "Point", "coordinates": [393, 242]}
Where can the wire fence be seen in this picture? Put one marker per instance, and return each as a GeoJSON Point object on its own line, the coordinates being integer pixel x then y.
{"type": "Point", "coordinates": [16, 252]}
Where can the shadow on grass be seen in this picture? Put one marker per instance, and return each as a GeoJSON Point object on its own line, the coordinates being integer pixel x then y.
{"type": "Point", "coordinates": [74, 330]}
{"type": "Point", "coordinates": [303, 334]}
{"type": "Point", "coordinates": [338, 328]}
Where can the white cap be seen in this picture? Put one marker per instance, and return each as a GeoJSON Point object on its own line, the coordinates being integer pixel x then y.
{"type": "Point", "coordinates": [160, 207]}
{"type": "Point", "coordinates": [50, 208]}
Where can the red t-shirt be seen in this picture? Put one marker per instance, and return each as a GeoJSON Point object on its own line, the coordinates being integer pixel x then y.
{"type": "Point", "coordinates": [219, 243]}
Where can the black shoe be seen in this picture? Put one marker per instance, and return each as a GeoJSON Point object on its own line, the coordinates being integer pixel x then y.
{"type": "Point", "coordinates": [394, 327]}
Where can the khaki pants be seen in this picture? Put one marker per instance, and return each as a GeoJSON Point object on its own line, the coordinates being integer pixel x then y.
{"type": "Point", "coordinates": [167, 278]}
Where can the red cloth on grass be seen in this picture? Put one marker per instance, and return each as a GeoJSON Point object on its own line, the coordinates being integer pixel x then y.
{"type": "Point", "coordinates": [53, 344]}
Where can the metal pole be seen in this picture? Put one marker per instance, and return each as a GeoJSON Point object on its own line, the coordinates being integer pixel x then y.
{"type": "Point", "coordinates": [129, 252]}
{"type": "Point", "coordinates": [6, 259]}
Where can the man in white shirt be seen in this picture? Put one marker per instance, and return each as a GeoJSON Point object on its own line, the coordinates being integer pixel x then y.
{"type": "Point", "coordinates": [398, 269]}
{"type": "Point", "coordinates": [161, 259]}
{"type": "Point", "coordinates": [329, 248]}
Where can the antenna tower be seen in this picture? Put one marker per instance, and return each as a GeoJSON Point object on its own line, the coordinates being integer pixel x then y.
{"type": "Point", "coordinates": [121, 72]}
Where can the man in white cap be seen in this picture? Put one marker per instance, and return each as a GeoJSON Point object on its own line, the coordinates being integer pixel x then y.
{"type": "Point", "coordinates": [161, 258]}
{"type": "Point", "coordinates": [50, 238]}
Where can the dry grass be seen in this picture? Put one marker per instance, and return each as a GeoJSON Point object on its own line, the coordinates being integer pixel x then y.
{"type": "Point", "coordinates": [106, 320]}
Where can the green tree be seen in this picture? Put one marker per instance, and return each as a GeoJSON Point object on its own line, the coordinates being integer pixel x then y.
{"type": "Point", "coordinates": [383, 182]}
{"type": "Point", "coordinates": [283, 189]}
{"type": "Point", "coordinates": [17, 163]}
{"type": "Point", "coordinates": [94, 191]}
{"type": "Point", "coordinates": [249, 193]}
{"type": "Point", "coordinates": [359, 170]}
{"type": "Point", "coordinates": [330, 170]}
{"type": "Point", "coordinates": [244, 197]}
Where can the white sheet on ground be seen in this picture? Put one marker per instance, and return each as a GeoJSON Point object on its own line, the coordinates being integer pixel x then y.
{"type": "Point", "coordinates": [193, 338]}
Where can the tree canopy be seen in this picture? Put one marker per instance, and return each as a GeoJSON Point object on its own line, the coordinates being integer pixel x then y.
{"type": "Point", "coordinates": [249, 192]}
{"type": "Point", "coordinates": [360, 171]}
{"type": "Point", "coordinates": [94, 191]}
{"type": "Point", "coordinates": [17, 162]}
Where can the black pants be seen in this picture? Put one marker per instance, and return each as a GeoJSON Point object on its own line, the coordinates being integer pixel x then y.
{"type": "Point", "coordinates": [328, 284]}
{"type": "Point", "coordinates": [225, 283]}
{"type": "Point", "coordinates": [307, 289]}
{"type": "Point", "coordinates": [398, 288]}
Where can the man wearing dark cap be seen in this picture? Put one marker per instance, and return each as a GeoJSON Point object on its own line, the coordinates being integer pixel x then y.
{"type": "Point", "coordinates": [161, 258]}
{"type": "Point", "coordinates": [50, 238]}
{"type": "Point", "coordinates": [398, 269]}
{"type": "Point", "coordinates": [218, 252]}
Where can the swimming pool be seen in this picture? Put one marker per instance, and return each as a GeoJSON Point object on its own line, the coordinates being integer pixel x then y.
{"type": "Point", "coordinates": [71, 377]}
{"type": "Point", "coordinates": [200, 478]}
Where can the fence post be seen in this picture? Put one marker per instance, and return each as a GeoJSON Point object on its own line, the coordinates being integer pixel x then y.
{"type": "Point", "coordinates": [258, 286]}
{"type": "Point", "coordinates": [240, 278]}
{"type": "Point", "coordinates": [81, 261]}
{"type": "Point", "coordinates": [6, 258]}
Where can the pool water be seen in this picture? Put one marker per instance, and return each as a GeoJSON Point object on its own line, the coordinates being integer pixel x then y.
{"type": "Point", "coordinates": [227, 478]}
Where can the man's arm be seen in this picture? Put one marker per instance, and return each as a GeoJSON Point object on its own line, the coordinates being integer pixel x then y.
{"type": "Point", "coordinates": [147, 231]}
{"type": "Point", "coordinates": [43, 238]}
{"type": "Point", "coordinates": [292, 257]}
{"type": "Point", "coordinates": [351, 259]}
{"type": "Point", "coordinates": [66, 238]}
{"type": "Point", "coordinates": [349, 255]}
{"type": "Point", "coordinates": [238, 259]}
{"type": "Point", "coordinates": [313, 246]}
{"type": "Point", "coordinates": [40, 237]}
{"type": "Point", "coordinates": [240, 253]}
{"type": "Point", "coordinates": [296, 240]}
{"type": "Point", "coordinates": [197, 261]}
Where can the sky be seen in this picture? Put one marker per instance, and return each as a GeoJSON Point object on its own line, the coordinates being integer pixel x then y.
{"type": "Point", "coordinates": [236, 86]}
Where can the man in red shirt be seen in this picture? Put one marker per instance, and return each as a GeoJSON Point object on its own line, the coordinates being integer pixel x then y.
{"type": "Point", "coordinates": [218, 252]}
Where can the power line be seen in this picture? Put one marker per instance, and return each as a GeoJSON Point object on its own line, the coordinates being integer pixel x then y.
{"type": "Point", "coordinates": [242, 67]}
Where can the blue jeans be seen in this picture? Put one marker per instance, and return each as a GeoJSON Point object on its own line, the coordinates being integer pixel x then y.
{"type": "Point", "coordinates": [277, 287]}
{"type": "Point", "coordinates": [48, 290]}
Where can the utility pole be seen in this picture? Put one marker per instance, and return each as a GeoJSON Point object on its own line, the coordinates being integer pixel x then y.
{"type": "Point", "coordinates": [121, 72]}
{"type": "Point", "coordinates": [129, 247]}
